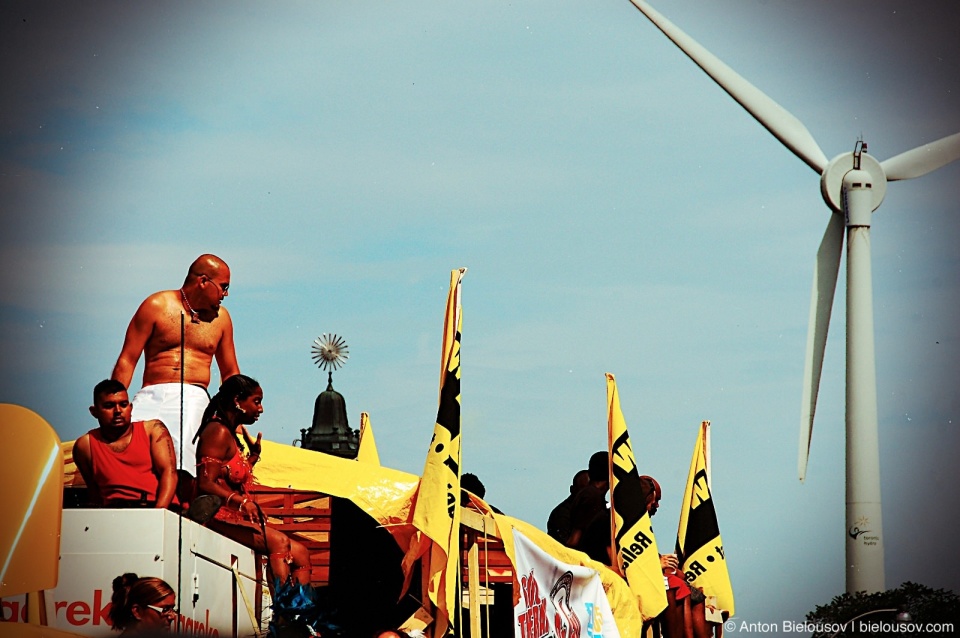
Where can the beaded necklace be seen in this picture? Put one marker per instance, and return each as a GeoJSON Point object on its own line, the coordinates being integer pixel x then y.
{"type": "Point", "coordinates": [194, 315]}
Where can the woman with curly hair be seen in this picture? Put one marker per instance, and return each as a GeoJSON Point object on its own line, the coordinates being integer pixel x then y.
{"type": "Point", "coordinates": [225, 469]}
{"type": "Point", "coordinates": [141, 605]}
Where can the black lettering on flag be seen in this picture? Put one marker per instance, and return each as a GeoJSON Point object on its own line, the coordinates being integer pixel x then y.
{"type": "Point", "coordinates": [702, 525]}
{"type": "Point", "coordinates": [627, 497]}
{"type": "Point", "coordinates": [452, 466]}
{"type": "Point", "coordinates": [448, 414]}
{"type": "Point", "coordinates": [701, 491]}
{"type": "Point", "coordinates": [695, 570]}
{"type": "Point", "coordinates": [632, 553]}
{"type": "Point", "coordinates": [448, 417]}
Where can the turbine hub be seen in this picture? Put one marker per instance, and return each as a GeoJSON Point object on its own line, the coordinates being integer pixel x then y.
{"type": "Point", "coordinates": [832, 183]}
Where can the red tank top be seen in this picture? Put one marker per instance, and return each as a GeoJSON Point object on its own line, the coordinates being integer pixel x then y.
{"type": "Point", "coordinates": [126, 475]}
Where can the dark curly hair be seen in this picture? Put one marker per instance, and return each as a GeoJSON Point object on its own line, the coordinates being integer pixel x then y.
{"type": "Point", "coordinates": [236, 388]}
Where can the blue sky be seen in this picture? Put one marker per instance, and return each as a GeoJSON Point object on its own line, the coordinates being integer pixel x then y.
{"type": "Point", "coordinates": [616, 210]}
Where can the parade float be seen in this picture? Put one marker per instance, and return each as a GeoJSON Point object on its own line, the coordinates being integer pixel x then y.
{"type": "Point", "coordinates": [388, 549]}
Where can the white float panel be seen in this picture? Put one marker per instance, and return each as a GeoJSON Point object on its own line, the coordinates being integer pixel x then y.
{"type": "Point", "coordinates": [97, 545]}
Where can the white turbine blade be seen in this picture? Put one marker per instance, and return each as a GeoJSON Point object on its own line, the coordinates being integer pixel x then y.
{"type": "Point", "coordinates": [785, 127]}
{"type": "Point", "coordinates": [821, 305]}
{"type": "Point", "coordinates": [922, 159]}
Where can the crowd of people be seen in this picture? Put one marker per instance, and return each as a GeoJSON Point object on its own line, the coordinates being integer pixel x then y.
{"type": "Point", "coordinates": [582, 521]}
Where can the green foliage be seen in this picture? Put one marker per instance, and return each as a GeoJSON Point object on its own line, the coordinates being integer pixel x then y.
{"type": "Point", "coordinates": [925, 605]}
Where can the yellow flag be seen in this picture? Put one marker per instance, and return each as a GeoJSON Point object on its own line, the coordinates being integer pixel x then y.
{"type": "Point", "coordinates": [436, 514]}
{"type": "Point", "coordinates": [367, 451]}
{"type": "Point", "coordinates": [699, 547]}
{"type": "Point", "coordinates": [637, 558]}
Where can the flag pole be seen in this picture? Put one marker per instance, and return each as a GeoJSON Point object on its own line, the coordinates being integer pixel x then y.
{"type": "Point", "coordinates": [707, 450]}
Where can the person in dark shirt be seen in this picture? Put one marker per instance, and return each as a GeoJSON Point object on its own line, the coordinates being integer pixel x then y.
{"type": "Point", "coordinates": [558, 524]}
{"type": "Point", "coordinates": [592, 499]}
{"type": "Point", "coordinates": [471, 483]}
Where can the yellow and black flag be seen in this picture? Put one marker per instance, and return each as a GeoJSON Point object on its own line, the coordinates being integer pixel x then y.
{"type": "Point", "coordinates": [699, 547]}
{"type": "Point", "coordinates": [637, 558]}
{"type": "Point", "coordinates": [436, 514]}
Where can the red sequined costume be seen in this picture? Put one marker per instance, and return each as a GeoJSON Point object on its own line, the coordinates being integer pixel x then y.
{"type": "Point", "coordinates": [235, 475]}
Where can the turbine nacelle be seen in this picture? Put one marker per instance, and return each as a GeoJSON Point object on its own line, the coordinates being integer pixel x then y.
{"type": "Point", "coordinates": [852, 171]}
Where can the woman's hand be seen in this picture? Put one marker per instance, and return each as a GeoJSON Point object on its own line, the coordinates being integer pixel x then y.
{"type": "Point", "coordinates": [249, 510]}
{"type": "Point", "coordinates": [253, 447]}
{"type": "Point", "coordinates": [669, 562]}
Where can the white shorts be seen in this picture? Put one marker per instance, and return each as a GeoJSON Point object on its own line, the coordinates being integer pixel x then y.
{"type": "Point", "coordinates": [162, 401]}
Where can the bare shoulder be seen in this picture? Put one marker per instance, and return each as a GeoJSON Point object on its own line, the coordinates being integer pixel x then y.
{"type": "Point", "coordinates": [223, 317]}
{"type": "Point", "coordinates": [216, 430]}
{"type": "Point", "coordinates": [82, 445]}
{"type": "Point", "coordinates": [160, 301]}
{"type": "Point", "coordinates": [157, 307]}
{"type": "Point", "coordinates": [156, 428]}
{"type": "Point", "coordinates": [216, 442]}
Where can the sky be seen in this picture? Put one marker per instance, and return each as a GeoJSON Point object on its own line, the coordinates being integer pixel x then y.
{"type": "Point", "coordinates": [616, 210]}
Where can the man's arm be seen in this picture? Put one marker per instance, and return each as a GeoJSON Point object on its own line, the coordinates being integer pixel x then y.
{"type": "Point", "coordinates": [83, 459]}
{"type": "Point", "coordinates": [226, 354]}
{"type": "Point", "coordinates": [164, 461]}
{"type": "Point", "coordinates": [138, 333]}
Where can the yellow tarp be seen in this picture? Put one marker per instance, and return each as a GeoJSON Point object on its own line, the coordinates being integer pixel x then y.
{"type": "Point", "coordinates": [383, 493]}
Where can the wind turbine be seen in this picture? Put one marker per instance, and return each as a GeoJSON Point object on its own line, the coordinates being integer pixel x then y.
{"type": "Point", "coordinates": [853, 185]}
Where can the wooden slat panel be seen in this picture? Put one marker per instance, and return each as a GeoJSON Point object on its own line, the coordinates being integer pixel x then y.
{"type": "Point", "coordinates": [294, 512]}
{"type": "Point", "coordinates": [317, 526]}
{"type": "Point", "coordinates": [306, 516]}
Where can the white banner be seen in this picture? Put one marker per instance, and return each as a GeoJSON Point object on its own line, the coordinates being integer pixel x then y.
{"type": "Point", "coordinates": [558, 600]}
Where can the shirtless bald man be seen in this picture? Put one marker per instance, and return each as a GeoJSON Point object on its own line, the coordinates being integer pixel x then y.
{"type": "Point", "coordinates": [154, 332]}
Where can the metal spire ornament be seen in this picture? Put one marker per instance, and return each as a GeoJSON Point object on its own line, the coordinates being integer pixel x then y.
{"type": "Point", "coordinates": [330, 352]}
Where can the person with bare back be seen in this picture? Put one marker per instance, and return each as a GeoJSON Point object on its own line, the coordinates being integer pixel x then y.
{"type": "Point", "coordinates": [154, 332]}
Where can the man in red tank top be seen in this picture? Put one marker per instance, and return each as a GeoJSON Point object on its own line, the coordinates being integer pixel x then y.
{"type": "Point", "coordinates": [124, 463]}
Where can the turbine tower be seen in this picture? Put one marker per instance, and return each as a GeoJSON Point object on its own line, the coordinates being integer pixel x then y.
{"type": "Point", "coordinates": [853, 185]}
